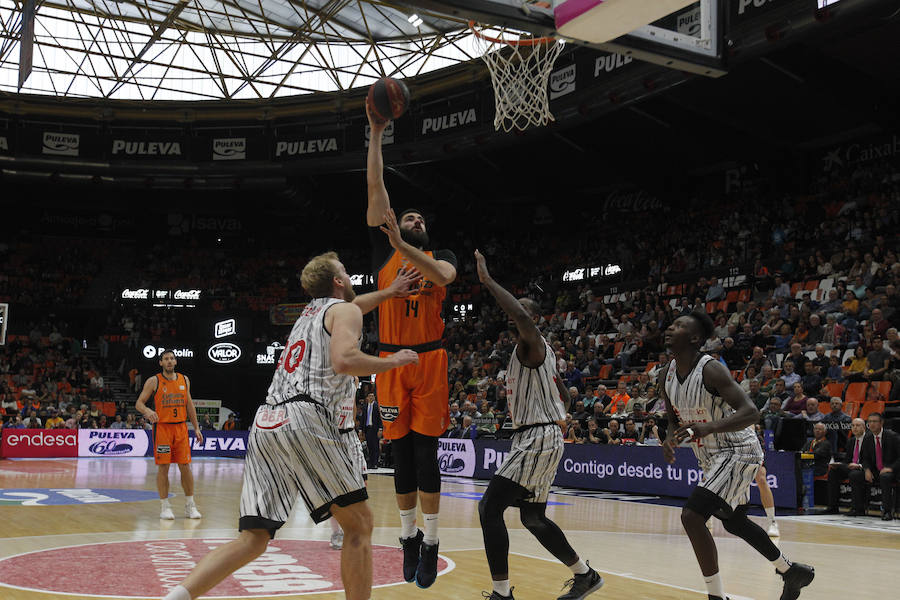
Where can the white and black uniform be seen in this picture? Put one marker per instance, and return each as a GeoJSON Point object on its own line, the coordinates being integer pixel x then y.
{"type": "Point", "coordinates": [294, 446]}
{"type": "Point", "coordinates": [729, 460]}
{"type": "Point", "coordinates": [537, 443]}
{"type": "Point", "coordinates": [346, 424]}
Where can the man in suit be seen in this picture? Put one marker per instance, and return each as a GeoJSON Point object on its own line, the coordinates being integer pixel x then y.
{"type": "Point", "coordinates": [371, 423]}
{"type": "Point", "coordinates": [820, 449]}
{"type": "Point", "coordinates": [880, 459]}
{"type": "Point", "coordinates": [850, 467]}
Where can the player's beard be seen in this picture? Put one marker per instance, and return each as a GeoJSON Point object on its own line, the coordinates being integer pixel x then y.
{"type": "Point", "coordinates": [419, 239]}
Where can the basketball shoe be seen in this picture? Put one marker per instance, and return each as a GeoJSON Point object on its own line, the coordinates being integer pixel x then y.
{"type": "Point", "coordinates": [582, 585]}
{"type": "Point", "coordinates": [411, 546]}
{"type": "Point", "coordinates": [795, 578]}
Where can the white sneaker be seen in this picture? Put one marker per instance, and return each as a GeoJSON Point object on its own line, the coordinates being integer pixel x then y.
{"type": "Point", "coordinates": [337, 540]}
{"type": "Point", "coordinates": [167, 514]}
{"type": "Point", "coordinates": [773, 530]}
{"type": "Point", "coordinates": [191, 512]}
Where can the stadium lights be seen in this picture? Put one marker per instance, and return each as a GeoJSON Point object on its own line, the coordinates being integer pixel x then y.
{"type": "Point", "coordinates": [415, 19]}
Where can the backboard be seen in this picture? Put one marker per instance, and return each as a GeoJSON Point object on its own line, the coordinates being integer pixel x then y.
{"type": "Point", "coordinates": [680, 34]}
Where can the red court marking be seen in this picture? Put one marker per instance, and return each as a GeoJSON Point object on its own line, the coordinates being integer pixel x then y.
{"type": "Point", "coordinates": [151, 568]}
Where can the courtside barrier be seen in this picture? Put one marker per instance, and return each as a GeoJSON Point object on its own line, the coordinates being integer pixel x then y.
{"type": "Point", "coordinates": [70, 443]}
{"type": "Point", "coordinates": [633, 469]}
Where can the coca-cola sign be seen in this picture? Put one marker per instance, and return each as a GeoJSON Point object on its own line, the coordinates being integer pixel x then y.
{"type": "Point", "coordinates": [631, 200]}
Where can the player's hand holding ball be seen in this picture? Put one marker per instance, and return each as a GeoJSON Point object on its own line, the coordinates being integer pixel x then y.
{"type": "Point", "coordinates": [388, 99]}
{"type": "Point", "coordinates": [405, 357]}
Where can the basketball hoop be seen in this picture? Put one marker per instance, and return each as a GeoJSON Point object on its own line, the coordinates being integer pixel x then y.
{"type": "Point", "coordinates": [520, 69]}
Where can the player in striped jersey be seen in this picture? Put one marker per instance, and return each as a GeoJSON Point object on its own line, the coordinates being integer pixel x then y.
{"type": "Point", "coordinates": [705, 405]}
{"type": "Point", "coordinates": [295, 450]}
{"type": "Point", "coordinates": [535, 398]}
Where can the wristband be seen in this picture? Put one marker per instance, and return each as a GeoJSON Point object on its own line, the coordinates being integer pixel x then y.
{"type": "Point", "coordinates": [690, 431]}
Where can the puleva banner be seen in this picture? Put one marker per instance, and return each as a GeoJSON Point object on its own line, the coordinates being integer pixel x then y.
{"type": "Point", "coordinates": [456, 457]}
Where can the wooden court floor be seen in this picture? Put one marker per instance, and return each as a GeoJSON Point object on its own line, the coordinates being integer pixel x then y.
{"type": "Point", "coordinates": [106, 543]}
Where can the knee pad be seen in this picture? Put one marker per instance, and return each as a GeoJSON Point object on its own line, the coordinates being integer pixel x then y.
{"type": "Point", "coordinates": [428, 474]}
{"type": "Point", "coordinates": [405, 480]}
{"type": "Point", "coordinates": [737, 522]}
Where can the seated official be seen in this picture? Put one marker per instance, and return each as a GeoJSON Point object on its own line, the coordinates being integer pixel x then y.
{"type": "Point", "coordinates": [837, 423]}
{"type": "Point", "coordinates": [880, 458]}
{"type": "Point", "coordinates": [820, 449]}
{"type": "Point", "coordinates": [850, 467]}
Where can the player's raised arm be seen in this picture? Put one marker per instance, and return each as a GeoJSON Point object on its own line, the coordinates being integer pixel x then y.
{"type": "Point", "coordinates": [345, 323]}
{"type": "Point", "coordinates": [438, 271]}
{"type": "Point", "coordinates": [146, 394]}
{"type": "Point", "coordinates": [531, 348]}
{"type": "Point", "coordinates": [379, 201]}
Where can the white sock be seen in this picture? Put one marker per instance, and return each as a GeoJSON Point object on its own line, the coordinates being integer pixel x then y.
{"type": "Point", "coordinates": [770, 513]}
{"type": "Point", "coordinates": [580, 567]}
{"type": "Point", "coordinates": [189, 501]}
{"type": "Point", "coordinates": [714, 586]}
{"type": "Point", "coordinates": [179, 592]}
{"type": "Point", "coordinates": [501, 587]}
{"type": "Point", "coordinates": [335, 526]}
{"type": "Point", "coordinates": [407, 523]}
{"type": "Point", "coordinates": [431, 527]}
{"type": "Point", "coordinates": [781, 563]}
{"type": "Point", "coordinates": [164, 502]}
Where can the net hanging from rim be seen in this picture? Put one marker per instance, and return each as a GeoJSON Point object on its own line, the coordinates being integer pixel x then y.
{"type": "Point", "coordinates": [520, 68]}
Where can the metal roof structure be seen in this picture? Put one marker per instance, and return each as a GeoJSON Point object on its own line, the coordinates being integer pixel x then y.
{"type": "Point", "coordinates": [223, 49]}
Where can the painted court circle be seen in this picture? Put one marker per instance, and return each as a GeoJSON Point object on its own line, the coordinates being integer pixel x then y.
{"type": "Point", "coordinates": [149, 568]}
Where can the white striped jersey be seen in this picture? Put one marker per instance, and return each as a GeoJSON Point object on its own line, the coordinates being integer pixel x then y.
{"type": "Point", "coordinates": [532, 394]}
{"type": "Point", "coordinates": [694, 403]}
{"type": "Point", "coordinates": [305, 363]}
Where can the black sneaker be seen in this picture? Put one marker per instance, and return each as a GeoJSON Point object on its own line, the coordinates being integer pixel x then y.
{"type": "Point", "coordinates": [795, 578]}
{"type": "Point", "coordinates": [582, 585]}
{"type": "Point", "coordinates": [411, 555]}
{"type": "Point", "coordinates": [426, 572]}
{"type": "Point", "coordinates": [497, 596]}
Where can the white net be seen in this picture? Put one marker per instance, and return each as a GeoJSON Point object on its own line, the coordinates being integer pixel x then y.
{"type": "Point", "coordinates": [519, 73]}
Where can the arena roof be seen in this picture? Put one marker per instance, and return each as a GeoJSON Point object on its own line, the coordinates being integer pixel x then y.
{"type": "Point", "coordinates": [223, 49]}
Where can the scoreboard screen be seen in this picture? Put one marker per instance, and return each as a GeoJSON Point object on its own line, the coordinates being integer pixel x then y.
{"type": "Point", "coordinates": [4, 317]}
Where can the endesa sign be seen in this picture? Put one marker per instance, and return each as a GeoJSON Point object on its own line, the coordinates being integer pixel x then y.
{"type": "Point", "coordinates": [40, 443]}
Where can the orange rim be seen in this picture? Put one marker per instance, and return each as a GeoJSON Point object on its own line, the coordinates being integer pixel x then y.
{"type": "Point", "coordinates": [526, 42]}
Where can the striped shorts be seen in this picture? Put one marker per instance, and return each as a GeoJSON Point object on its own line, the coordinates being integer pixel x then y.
{"type": "Point", "coordinates": [533, 459]}
{"type": "Point", "coordinates": [355, 450]}
{"type": "Point", "coordinates": [295, 451]}
{"type": "Point", "coordinates": [728, 476]}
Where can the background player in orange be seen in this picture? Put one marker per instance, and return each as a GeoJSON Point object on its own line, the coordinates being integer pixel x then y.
{"type": "Point", "coordinates": [412, 399]}
{"type": "Point", "coordinates": [172, 405]}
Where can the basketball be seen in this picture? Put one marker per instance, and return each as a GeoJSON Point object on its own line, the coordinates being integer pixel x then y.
{"type": "Point", "coordinates": [389, 98]}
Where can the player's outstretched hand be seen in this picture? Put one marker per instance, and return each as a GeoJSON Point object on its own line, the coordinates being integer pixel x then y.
{"type": "Point", "coordinates": [392, 229]}
{"type": "Point", "coordinates": [481, 265]}
{"type": "Point", "coordinates": [406, 357]}
{"type": "Point", "coordinates": [405, 282]}
{"type": "Point", "coordinates": [375, 125]}
{"type": "Point", "coordinates": [668, 451]}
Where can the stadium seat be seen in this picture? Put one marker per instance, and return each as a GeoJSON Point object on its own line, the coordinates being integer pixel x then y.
{"type": "Point", "coordinates": [605, 371]}
{"type": "Point", "coordinates": [824, 407]}
{"type": "Point", "coordinates": [796, 287]}
{"type": "Point", "coordinates": [826, 284]}
{"type": "Point", "coordinates": [810, 354]}
{"type": "Point", "coordinates": [723, 306]}
{"type": "Point", "coordinates": [868, 408]}
{"type": "Point", "coordinates": [856, 392]}
{"type": "Point", "coordinates": [617, 347]}
{"type": "Point", "coordinates": [811, 285]}
{"type": "Point", "coordinates": [710, 307]}
{"type": "Point", "coordinates": [779, 358]}
{"type": "Point", "coordinates": [744, 295]}
{"type": "Point", "coordinates": [851, 408]}
{"type": "Point", "coordinates": [650, 366]}
{"type": "Point", "coordinates": [883, 387]}
{"type": "Point", "coordinates": [731, 297]}
{"type": "Point", "coordinates": [848, 354]}
{"type": "Point", "coordinates": [835, 390]}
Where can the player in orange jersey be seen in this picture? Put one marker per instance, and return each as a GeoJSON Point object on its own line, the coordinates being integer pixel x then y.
{"type": "Point", "coordinates": [172, 406]}
{"type": "Point", "coordinates": [412, 399]}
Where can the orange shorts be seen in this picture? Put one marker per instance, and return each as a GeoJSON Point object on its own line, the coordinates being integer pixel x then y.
{"type": "Point", "coordinates": [415, 397]}
{"type": "Point", "coordinates": [171, 443]}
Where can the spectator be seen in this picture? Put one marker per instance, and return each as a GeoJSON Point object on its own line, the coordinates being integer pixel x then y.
{"type": "Point", "coordinates": [757, 396]}
{"type": "Point", "coordinates": [767, 379]}
{"type": "Point", "coordinates": [877, 361]}
{"type": "Point", "coordinates": [749, 376]}
{"type": "Point", "coordinates": [811, 412]}
{"type": "Point", "coordinates": [573, 377]}
{"type": "Point", "coordinates": [816, 331]}
{"type": "Point", "coordinates": [595, 434]}
{"type": "Point", "coordinates": [855, 368]}
{"type": "Point", "coordinates": [797, 357]}
{"type": "Point", "coordinates": [832, 305]}
{"type": "Point", "coordinates": [580, 414]}
{"type": "Point", "coordinates": [613, 435]}
{"type": "Point", "coordinates": [788, 375]}
{"type": "Point", "coordinates": [649, 432]}
{"type": "Point", "coordinates": [630, 432]}
{"type": "Point", "coordinates": [715, 292]}
{"type": "Point", "coordinates": [734, 357]}
{"type": "Point", "coordinates": [850, 466]}
{"type": "Point", "coordinates": [812, 381]}
{"type": "Point", "coordinates": [206, 423]}
{"type": "Point", "coordinates": [780, 391]}
{"type": "Point", "coordinates": [837, 422]}
{"type": "Point", "coordinates": [796, 403]}
{"type": "Point", "coordinates": [230, 424]}
{"type": "Point", "coordinates": [619, 402]}
{"type": "Point", "coordinates": [821, 360]}
{"type": "Point", "coordinates": [54, 421]}
{"type": "Point", "coordinates": [772, 415]}
{"type": "Point", "coordinates": [880, 459]}
{"type": "Point", "coordinates": [820, 449]}
{"type": "Point", "coordinates": [850, 305]}
{"type": "Point", "coordinates": [118, 423]}
{"type": "Point", "coordinates": [835, 373]}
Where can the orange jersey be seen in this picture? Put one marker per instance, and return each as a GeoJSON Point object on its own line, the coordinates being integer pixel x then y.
{"type": "Point", "coordinates": [413, 320]}
{"type": "Point", "coordinates": [170, 399]}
